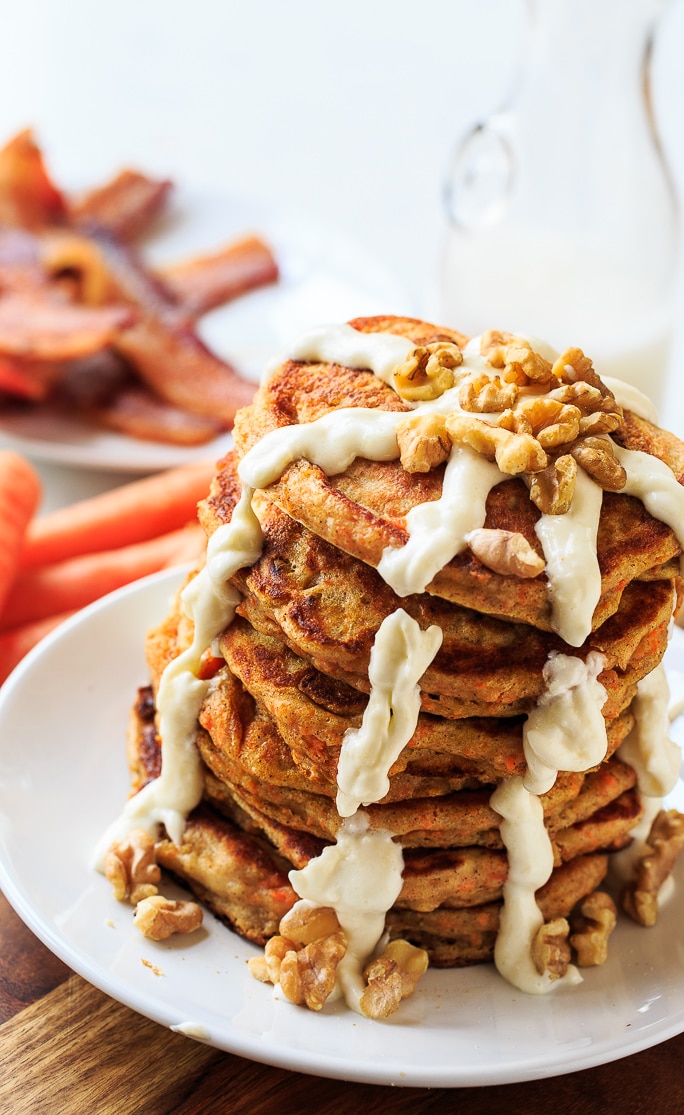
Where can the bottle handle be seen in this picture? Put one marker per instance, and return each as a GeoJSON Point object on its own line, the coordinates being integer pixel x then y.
{"type": "Point", "coordinates": [481, 177]}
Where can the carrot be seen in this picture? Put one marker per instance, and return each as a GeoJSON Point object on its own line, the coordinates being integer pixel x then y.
{"type": "Point", "coordinates": [18, 641]}
{"type": "Point", "coordinates": [134, 512]}
{"type": "Point", "coordinates": [68, 585]}
{"type": "Point", "coordinates": [20, 492]}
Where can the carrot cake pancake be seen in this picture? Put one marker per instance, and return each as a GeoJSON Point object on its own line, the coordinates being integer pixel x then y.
{"type": "Point", "coordinates": [411, 709]}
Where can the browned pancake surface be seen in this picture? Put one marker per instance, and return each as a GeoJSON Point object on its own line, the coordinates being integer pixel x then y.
{"type": "Point", "coordinates": [362, 511]}
{"type": "Point", "coordinates": [293, 678]}
{"type": "Point", "coordinates": [450, 899]}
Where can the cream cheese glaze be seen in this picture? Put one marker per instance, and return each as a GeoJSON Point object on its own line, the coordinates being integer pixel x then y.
{"type": "Point", "coordinates": [648, 749]}
{"type": "Point", "coordinates": [572, 568]}
{"type": "Point", "coordinates": [360, 875]}
{"type": "Point", "coordinates": [631, 398]}
{"type": "Point", "coordinates": [332, 442]}
{"type": "Point", "coordinates": [530, 862]}
{"type": "Point", "coordinates": [341, 344]}
{"type": "Point", "coordinates": [400, 656]}
{"type": "Point", "coordinates": [210, 603]}
{"type": "Point", "coordinates": [551, 740]}
{"type": "Point", "coordinates": [651, 481]}
{"type": "Point", "coordinates": [438, 530]}
{"type": "Point", "coordinates": [656, 759]}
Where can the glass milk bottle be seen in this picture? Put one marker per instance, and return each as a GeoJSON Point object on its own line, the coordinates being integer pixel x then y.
{"type": "Point", "coordinates": [562, 218]}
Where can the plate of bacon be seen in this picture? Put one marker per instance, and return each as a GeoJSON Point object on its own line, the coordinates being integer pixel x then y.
{"type": "Point", "coordinates": [137, 316]}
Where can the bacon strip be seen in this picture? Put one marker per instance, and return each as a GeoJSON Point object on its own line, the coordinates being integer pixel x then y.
{"type": "Point", "coordinates": [163, 346]}
{"type": "Point", "coordinates": [83, 319]}
{"type": "Point", "coordinates": [177, 366]}
{"type": "Point", "coordinates": [28, 379]}
{"type": "Point", "coordinates": [35, 326]}
{"type": "Point", "coordinates": [137, 413]}
{"type": "Point", "coordinates": [126, 206]}
{"type": "Point", "coordinates": [28, 196]}
{"type": "Point", "coordinates": [208, 281]}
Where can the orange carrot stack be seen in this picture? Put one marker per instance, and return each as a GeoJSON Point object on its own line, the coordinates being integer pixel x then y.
{"type": "Point", "coordinates": [136, 512]}
{"type": "Point", "coordinates": [53, 565]}
{"type": "Point", "coordinates": [19, 498]}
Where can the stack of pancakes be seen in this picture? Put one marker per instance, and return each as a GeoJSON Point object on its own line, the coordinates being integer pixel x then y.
{"type": "Point", "coordinates": [290, 677]}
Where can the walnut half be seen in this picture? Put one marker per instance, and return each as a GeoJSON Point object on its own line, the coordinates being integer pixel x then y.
{"type": "Point", "coordinates": [391, 977]}
{"type": "Point", "coordinates": [665, 842]}
{"type": "Point", "coordinates": [505, 552]}
{"type": "Point", "coordinates": [427, 372]}
{"type": "Point", "coordinates": [303, 957]}
{"type": "Point", "coordinates": [158, 918]}
{"type": "Point", "coordinates": [592, 927]}
{"type": "Point", "coordinates": [308, 975]}
{"type": "Point", "coordinates": [423, 442]}
{"type": "Point", "coordinates": [131, 867]}
{"type": "Point", "coordinates": [304, 963]}
{"type": "Point", "coordinates": [515, 358]}
{"type": "Point", "coordinates": [513, 452]}
{"type": "Point", "coordinates": [552, 489]}
{"type": "Point", "coordinates": [484, 394]}
{"type": "Point", "coordinates": [550, 948]}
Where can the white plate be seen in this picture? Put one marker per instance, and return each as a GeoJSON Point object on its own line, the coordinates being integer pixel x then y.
{"type": "Point", "coordinates": [324, 277]}
{"type": "Point", "coordinates": [63, 715]}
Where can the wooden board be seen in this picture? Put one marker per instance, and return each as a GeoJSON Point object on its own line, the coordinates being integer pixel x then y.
{"type": "Point", "coordinates": [67, 1048]}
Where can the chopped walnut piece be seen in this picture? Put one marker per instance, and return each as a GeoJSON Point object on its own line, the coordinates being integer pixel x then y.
{"type": "Point", "coordinates": [391, 977]}
{"type": "Point", "coordinates": [158, 918]}
{"type": "Point", "coordinates": [514, 453]}
{"type": "Point", "coordinates": [131, 867]}
{"type": "Point", "coordinates": [515, 421]}
{"type": "Point", "coordinates": [597, 458]}
{"type": "Point", "coordinates": [259, 969]}
{"type": "Point", "coordinates": [303, 957]}
{"type": "Point", "coordinates": [505, 552]}
{"type": "Point", "coordinates": [303, 924]}
{"type": "Point", "coordinates": [275, 951]}
{"type": "Point", "coordinates": [601, 413]}
{"type": "Point", "coordinates": [546, 419]}
{"type": "Point", "coordinates": [492, 346]}
{"type": "Point", "coordinates": [485, 394]}
{"type": "Point", "coordinates": [423, 442]}
{"type": "Point", "coordinates": [591, 929]}
{"type": "Point", "coordinates": [427, 372]}
{"type": "Point", "coordinates": [665, 842]}
{"type": "Point", "coordinates": [552, 489]}
{"type": "Point", "coordinates": [553, 423]}
{"type": "Point", "coordinates": [515, 358]}
{"type": "Point", "coordinates": [601, 422]}
{"type": "Point", "coordinates": [523, 365]}
{"type": "Point", "coordinates": [580, 394]}
{"type": "Point", "coordinates": [573, 366]}
{"type": "Point", "coordinates": [308, 975]}
{"type": "Point", "coordinates": [550, 948]}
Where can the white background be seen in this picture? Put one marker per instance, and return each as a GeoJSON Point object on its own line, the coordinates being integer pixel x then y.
{"type": "Point", "coordinates": [347, 111]}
